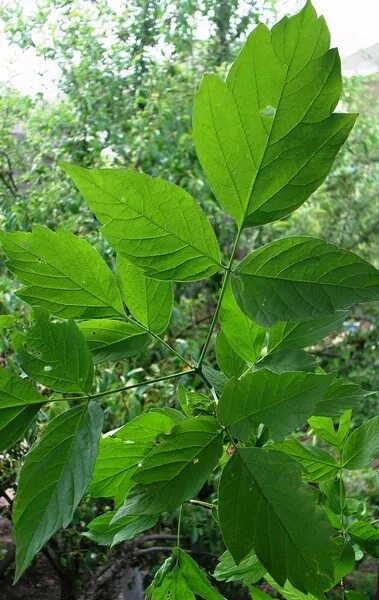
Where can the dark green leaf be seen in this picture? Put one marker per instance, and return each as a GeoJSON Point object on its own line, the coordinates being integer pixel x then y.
{"type": "Point", "coordinates": [265, 506]}
{"type": "Point", "coordinates": [57, 355]}
{"type": "Point", "coordinates": [176, 469]}
{"type": "Point", "coordinates": [318, 464]}
{"type": "Point", "coordinates": [366, 536]}
{"type": "Point", "coordinates": [102, 532]}
{"type": "Point", "coordinates": [53, 479]}
{"type": "Point", "coordinates": [14, 422]}
{"type": "Point", "coordinates": [16, 392]}
{"type": "Point", "coordinates": [362, 445]}
{"type": "Point", "coordinates": [282, 361]}
{"type": "Point", "coordinates": [280, 401]}
{"type": "Point", "coordinates": [340, 395]}
{"type": "Point", "coordinates": [114, 340]}
{"type": "Point", "coordinates": [151, 222]}
{"type": "Point", "coordinates": [149, 300]}
{"type": "Point", "coordinates": [62, 273]}
{"type": "Point", "coordinates": [305, 333]}
{"type": "Point", "coordinates": [300, 278]}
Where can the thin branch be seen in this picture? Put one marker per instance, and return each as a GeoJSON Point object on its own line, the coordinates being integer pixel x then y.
{"type": "Point", "coordinates": [128, 387]}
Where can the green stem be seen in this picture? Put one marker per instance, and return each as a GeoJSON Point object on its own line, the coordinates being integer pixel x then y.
{"type": "Point", "coordinates": [222, 292]}
{"type": "Point", "coordinates": [128, 387]}
{"type": "Point", "coordinates": [179, 526]}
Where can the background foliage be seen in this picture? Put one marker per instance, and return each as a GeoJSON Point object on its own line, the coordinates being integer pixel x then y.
{"type": "Point", "coordinates": [128, 73]}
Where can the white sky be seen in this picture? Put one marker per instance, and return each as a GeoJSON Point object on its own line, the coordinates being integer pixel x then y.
{"type": "Point", "coordinates": [353, 25]}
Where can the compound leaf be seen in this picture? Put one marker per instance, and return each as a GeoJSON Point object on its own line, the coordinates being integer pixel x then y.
{"type": "Point", "coordinates": [267, 138]}
{"type": "Point", "coordinates": [265, 506]}
{"type": "Point", "coordinates": [151, 222]}
{"type": "Point", "coordinates": [300, 278]}
{"type": "Point", "coordinates": [62, 273]}
{"type": "Point", "coordinates": [54, 477]}
{"type": "Point", "coordinates": [56, 355]}
{"type": "Point", "coordinates": [149, 300]}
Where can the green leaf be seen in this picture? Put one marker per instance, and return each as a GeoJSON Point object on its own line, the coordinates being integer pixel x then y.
{"type": "Point", "coordinates": [7, 321]}
{"type": "Point", "coordinates": [258, 594]}
{"type": "Point", "coordinates": [151, 222]}
{"type": "Point", "coordinates": [215, 378]}
{"type": "Point", "coordinates": [266, 137]}
{"type": "Point", "coordinates": [334, 492]}
{"type": "Point", "coordinates": [366, 536]}
{"type": "Point", "coordinates": [116, 462]}
{"type": "Point", "coordinates": [343, 559]}
{"type": "Point", "coordinates": [146, 427]}
{"type": "Point", "coordinates": [114, 340]}
{"type": "Point", "coordinates": [265, 506]}
{"type": "Point", "coordinates": [180, 578]}
{"type": "Point", "coordinates": [300, 278]}
{"type": "Point", "coordinates": [248, 571]}
{"type": "Point", "coordinates": [362, 445]}
{"type": "Point", "coordinates": [282, 361]}
{"type": "Point", "coordinates": [287, 591]}
{"type": "Point", "coordinates": [14, 422]}
{"type": "Point", "coordinates": [280, 401]}
{"type": "Point", "coordinates": [228, 360]}
{"type": "Point", "coordinates": [318, 464]}
{"type": "Point", "coordinates": [176, 469]}
{"type": "Point", "coordinates": [16, 392]}
{"type": "Point", "coordinates": [62, 273]}
{"type": "Point", "coordinates": [324, 428]}
{"type": "Point", "coordinates": [244, 336]}
{"type": "Point", "coordinates": [194, 404]}
{"type": "Point", "coordinates": [340, 395]}
{"type": "Point", "coordinates": [102, 532]}
{"type": "Point", "coordinates": [285, 336]}
{"type": "Point", "coordinates": [56, 355]}
{"type": "Point", "coordinates": [53, 479]}
{"type": "Point", "coordinates": [149, 300]}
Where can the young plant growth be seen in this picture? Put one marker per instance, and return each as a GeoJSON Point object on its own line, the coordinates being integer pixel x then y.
{"type": "Point", "coordinates": [266, 139]}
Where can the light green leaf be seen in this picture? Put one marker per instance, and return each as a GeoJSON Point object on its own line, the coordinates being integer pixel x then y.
{"type": "Point", "coordinates": [55, 475]}
{"type": "Point", "coordinates": [244, 336]}
{"type": "Point", "coordinates": [280, 401]}
{"type": "Point", "coordinates": [258, 594]}
{"type": "Point", "coordinates": [366, 536]}
{"type": "Point", "coordinates": [343, 559]}
{"type": "Point", "coordinates": [318, 464]}
{"type": "Point", "coordinates": [116, 462]}
{"type": "Point", "coordinates": [16, 392]}
{"type": "Point", "coordinates": [113, 340]}
{"type": "Point", "coordinates": [151, 222]}
{"type": "Point", "coordinates": [340, 395]}
{"type": "Point", "coordinates": [14, 422]}
{"type": "Point", "coordinates": [180, 578]}
{"type": "Point", "coordinates": [282, 361]}
{"type": "Point", "coordinates": [362, 445]}
{"type": "Point", "coordinates": [228, 360]}
{"type": "Point", "coordinates": [248, 571]}
{"type": "Point", "coordinates": [102, 532]}
{"type": "Point", "coordinates": [62, 273]}
{"type": "Point", "coordinates": [265, 506]}
{"type": "Point", "coordinates": [7, 321]}
{"type": "Point", "coordinates": [300, 278]}
{"type": "Point", "coordinates": [324, 428]}
{"type": "Point", "coordinates": [266, 137]}
{"type": "Point", "coordinates": [194, 404]}
{"type": "Point", "coordinates": [146, 427]}
{"type": "Point", "coordinates": [149, 300]}
{"type": "Point", "coordinates": [305, 333]}
{"type": "Point", "coordinates": [176, 469]}
{"type": "Point", "coordinates": [56, 355]}
{"type": "Point", "coordinates": [287, 591]}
